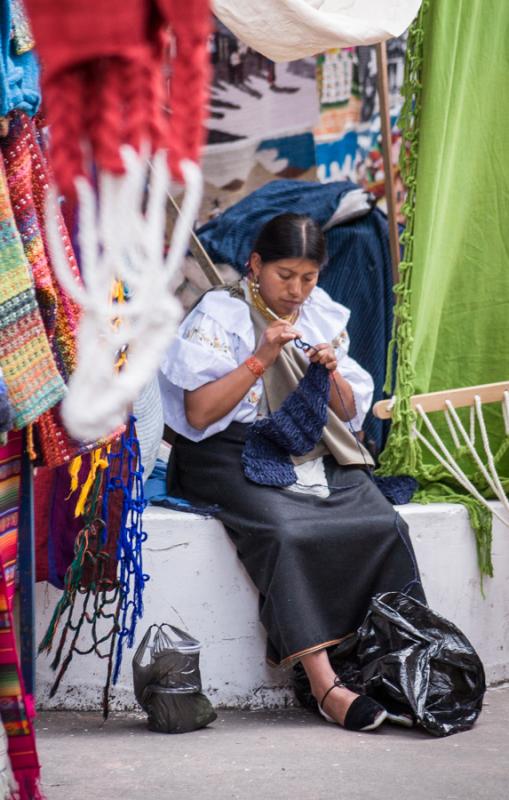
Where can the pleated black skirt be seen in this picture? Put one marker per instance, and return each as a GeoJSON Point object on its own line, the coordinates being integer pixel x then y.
{"type": "Point", "coordinates": [316, 562]}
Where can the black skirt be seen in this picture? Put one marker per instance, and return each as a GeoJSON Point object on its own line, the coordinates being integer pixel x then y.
{"type": "Point", "coordinates": [316, 562]}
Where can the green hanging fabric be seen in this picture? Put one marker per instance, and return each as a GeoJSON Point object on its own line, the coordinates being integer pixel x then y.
{"type": "Point", "coordinates": [452, 313]}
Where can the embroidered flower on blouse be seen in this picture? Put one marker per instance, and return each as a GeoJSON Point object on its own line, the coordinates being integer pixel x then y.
{"type": "Point", "coordinates": [195, 334]}
{"type": "Point", "coordinates": [253, 397]}
{"type": "Point", "coordinates": [342, 340]}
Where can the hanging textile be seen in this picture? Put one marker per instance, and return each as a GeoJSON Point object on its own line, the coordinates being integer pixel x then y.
{"type": "Point", "coordinates": [103, 80]}
{"type": "Point", "coordinates": [348, 139]}
{"type": "Point", "coordinates": [287, 29]}
{"type": "Point", "coordinates": [16, 708]}
{"type": "Point", "coordinates": [261, 121]}
{"type": "Point", "coordinates": [27, 363]}
{"type": "Point", "coordinates": [453, 298]}
{"type": "Point", "coordinates": [118, 139]}
{"type": "Point", "coordinates": [28, 178]}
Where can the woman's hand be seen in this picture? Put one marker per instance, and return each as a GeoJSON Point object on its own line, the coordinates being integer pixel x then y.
{"type": "Point", "coordinates": [323, 354]}
{"type": "Point", "coordinates": [274, 337]}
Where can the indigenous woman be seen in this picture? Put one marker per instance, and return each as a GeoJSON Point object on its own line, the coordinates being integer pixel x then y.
{"type": "Point", "coordinates": [317, 549]}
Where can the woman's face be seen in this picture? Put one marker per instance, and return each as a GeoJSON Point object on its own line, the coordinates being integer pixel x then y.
{"type": "Point", "coordinates": [285, 284]}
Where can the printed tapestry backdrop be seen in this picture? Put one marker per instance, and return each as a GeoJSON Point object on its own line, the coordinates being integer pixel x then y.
{"type": "Point", "coordinates": [308, 119]}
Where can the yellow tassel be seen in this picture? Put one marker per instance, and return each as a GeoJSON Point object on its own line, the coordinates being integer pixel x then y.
{"type": "Point", "coordinates": [96, 462]}
{"type": "Point", "coordinates": [74, 472]}
{"type": "Point", "coordinates": [32, 455]}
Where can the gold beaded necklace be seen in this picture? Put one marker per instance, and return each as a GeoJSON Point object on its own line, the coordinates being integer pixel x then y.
{"type": "Point", "coordinates": [261, 306]}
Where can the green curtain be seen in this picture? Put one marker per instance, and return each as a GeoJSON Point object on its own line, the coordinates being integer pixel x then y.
{"type": "Point", "coordinates": [453, 300]}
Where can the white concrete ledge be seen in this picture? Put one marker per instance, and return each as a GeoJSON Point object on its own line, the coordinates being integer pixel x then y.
{"type": "Point", "coordinates": [198, 583]}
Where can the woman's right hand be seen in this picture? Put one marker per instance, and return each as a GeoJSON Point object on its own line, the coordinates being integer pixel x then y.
{"type": "Point", "coordinates": [274, 337]}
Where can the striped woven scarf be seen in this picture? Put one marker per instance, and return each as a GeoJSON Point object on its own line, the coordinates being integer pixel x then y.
{"type": "Point", "coordinates": [16, 708]}
{"type": "Point", "coordinates": [29, 369]}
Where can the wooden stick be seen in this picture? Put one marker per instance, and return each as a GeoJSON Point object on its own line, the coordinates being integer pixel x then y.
{"type": "Point", "coordinates": [435, 401]}
{"type": "Point", "coordinates": [202, 257]}
{"type": "Point", "coordinates": [390, 188]}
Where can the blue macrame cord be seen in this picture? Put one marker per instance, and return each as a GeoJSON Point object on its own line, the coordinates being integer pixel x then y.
{"type": "Point", "coordinates": [131, 577]}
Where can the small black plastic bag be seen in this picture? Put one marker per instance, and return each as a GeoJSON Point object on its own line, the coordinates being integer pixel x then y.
{"type": "Point", "coordinates": [406, 654]}
{"type": "Point", "coordinates": [167, 681]}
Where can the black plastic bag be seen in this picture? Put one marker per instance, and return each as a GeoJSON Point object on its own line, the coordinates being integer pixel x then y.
{"type": "Point", "coordinates": [406, 655]}
{"type": "Point", "coordinates": [167, 681]}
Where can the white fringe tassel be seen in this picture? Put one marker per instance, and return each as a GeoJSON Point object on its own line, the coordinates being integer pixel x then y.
{"type": "Point", "coordinates": [119, 241]}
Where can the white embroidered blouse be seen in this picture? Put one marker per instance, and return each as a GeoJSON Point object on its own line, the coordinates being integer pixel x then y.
{"type": "Point", "coordinates": [218, 336]}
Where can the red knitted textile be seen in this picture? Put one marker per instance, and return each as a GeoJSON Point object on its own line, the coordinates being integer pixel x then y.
{"type": "Point", "coordinates": [103, 79]}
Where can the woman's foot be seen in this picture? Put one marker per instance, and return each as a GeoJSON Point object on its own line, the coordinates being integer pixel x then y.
{"type": "Point", "coordinates": [337, 702]}
{"type": "Point", "coordinates": [350, 710]}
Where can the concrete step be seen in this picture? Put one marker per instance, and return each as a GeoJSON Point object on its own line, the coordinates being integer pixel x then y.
{"type": "Point", "coordinates": [197, 582]}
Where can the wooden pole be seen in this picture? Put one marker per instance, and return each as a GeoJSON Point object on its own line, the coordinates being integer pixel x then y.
{"type": "Point", "coordinates": [390, 188]}
{"type": "Point", "coordinates": [26, 569]}
{"type": "Point", "coordinates": [200, 254]}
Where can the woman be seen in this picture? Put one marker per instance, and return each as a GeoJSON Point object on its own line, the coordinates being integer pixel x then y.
{"type": "Point", "coordinates": [319, 549]}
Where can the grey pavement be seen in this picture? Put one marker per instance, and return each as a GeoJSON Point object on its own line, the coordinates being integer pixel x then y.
{"type": "Point", "coordinates": [271, 755]}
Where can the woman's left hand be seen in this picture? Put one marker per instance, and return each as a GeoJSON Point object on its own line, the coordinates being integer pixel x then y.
{"type": "Point", "coordinates": [324, 354]}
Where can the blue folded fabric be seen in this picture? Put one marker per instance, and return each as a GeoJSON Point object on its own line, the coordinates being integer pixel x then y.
{"type": "Point", "coordinates": [19, 72]}
{"type": "Point", "coordinates": [155, 493]}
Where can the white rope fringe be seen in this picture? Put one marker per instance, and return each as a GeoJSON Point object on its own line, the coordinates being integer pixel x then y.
{"type": "Point", "coordinates": [121, 241]}
{"type": "Point", "coordinates": [447, 460]}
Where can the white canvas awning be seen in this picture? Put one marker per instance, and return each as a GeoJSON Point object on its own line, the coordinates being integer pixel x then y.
{"type": "Point", "coordinates": [285, 30]}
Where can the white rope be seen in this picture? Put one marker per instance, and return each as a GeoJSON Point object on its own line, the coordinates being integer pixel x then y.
{"type": "Point", "coordinates": [120, 240]}
{"type": "Point", "coordinates": [452, 429]}
{"type": "Point", "coordinates": [472, 425]}
{"type": "Point", "coordinates": [473, 452]}
{"type": "Point", "coordinates": [505, 412]}
{"type": "Point", "coordinates": [449, 463]}
{"type": "Point", "coordinates": [499, 489]}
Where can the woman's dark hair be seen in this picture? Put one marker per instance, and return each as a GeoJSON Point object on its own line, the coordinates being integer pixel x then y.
{"type": "Point", "coordinates": [291, 236]}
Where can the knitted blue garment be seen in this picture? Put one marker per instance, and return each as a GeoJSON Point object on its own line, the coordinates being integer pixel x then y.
{"type": "Point", "coordinates": [294, 429]}
{"type": "Point", "coordinates": [19, 72]}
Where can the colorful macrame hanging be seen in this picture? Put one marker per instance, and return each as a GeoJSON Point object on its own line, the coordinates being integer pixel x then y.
{"type": "Point", "coordinates": [103, 586]}
{"type": "Point", "coordinates": [105, 66]}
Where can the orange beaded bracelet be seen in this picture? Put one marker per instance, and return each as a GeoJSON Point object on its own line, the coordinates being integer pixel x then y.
{"type": "Point", "coordinates": [255, 366]}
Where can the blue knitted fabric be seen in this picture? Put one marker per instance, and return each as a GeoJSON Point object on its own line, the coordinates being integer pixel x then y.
{"type": "Point", "coordinates": [294, 429]}
{"type": "Point", "coordinates": [19, 72]}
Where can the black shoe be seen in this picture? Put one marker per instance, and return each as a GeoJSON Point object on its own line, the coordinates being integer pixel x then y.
{"type": "Point", "coordinates": [364, 713]}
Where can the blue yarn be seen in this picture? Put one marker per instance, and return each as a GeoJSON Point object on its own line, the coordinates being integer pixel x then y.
{"type": "Point", "coordinates": [294, 429]}
{"type": "Point", "coordinates": [131, 536]}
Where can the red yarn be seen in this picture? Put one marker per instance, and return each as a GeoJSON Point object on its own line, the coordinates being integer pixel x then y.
{"type": "Point", "coordinates": [103, 80]}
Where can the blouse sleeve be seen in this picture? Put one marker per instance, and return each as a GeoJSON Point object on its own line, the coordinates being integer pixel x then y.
{"type": "Point", "coordinates": [360, 380]}
{"type": "Point", "coordinates": [201, 352]}
{"type": "Point", "coordinates": [362, 388]}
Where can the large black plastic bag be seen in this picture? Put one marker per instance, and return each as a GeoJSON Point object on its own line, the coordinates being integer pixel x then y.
{"type": "Point", "coordinates": [407, 653]}
{"type": "Point", "coordinates": [167, 681]}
